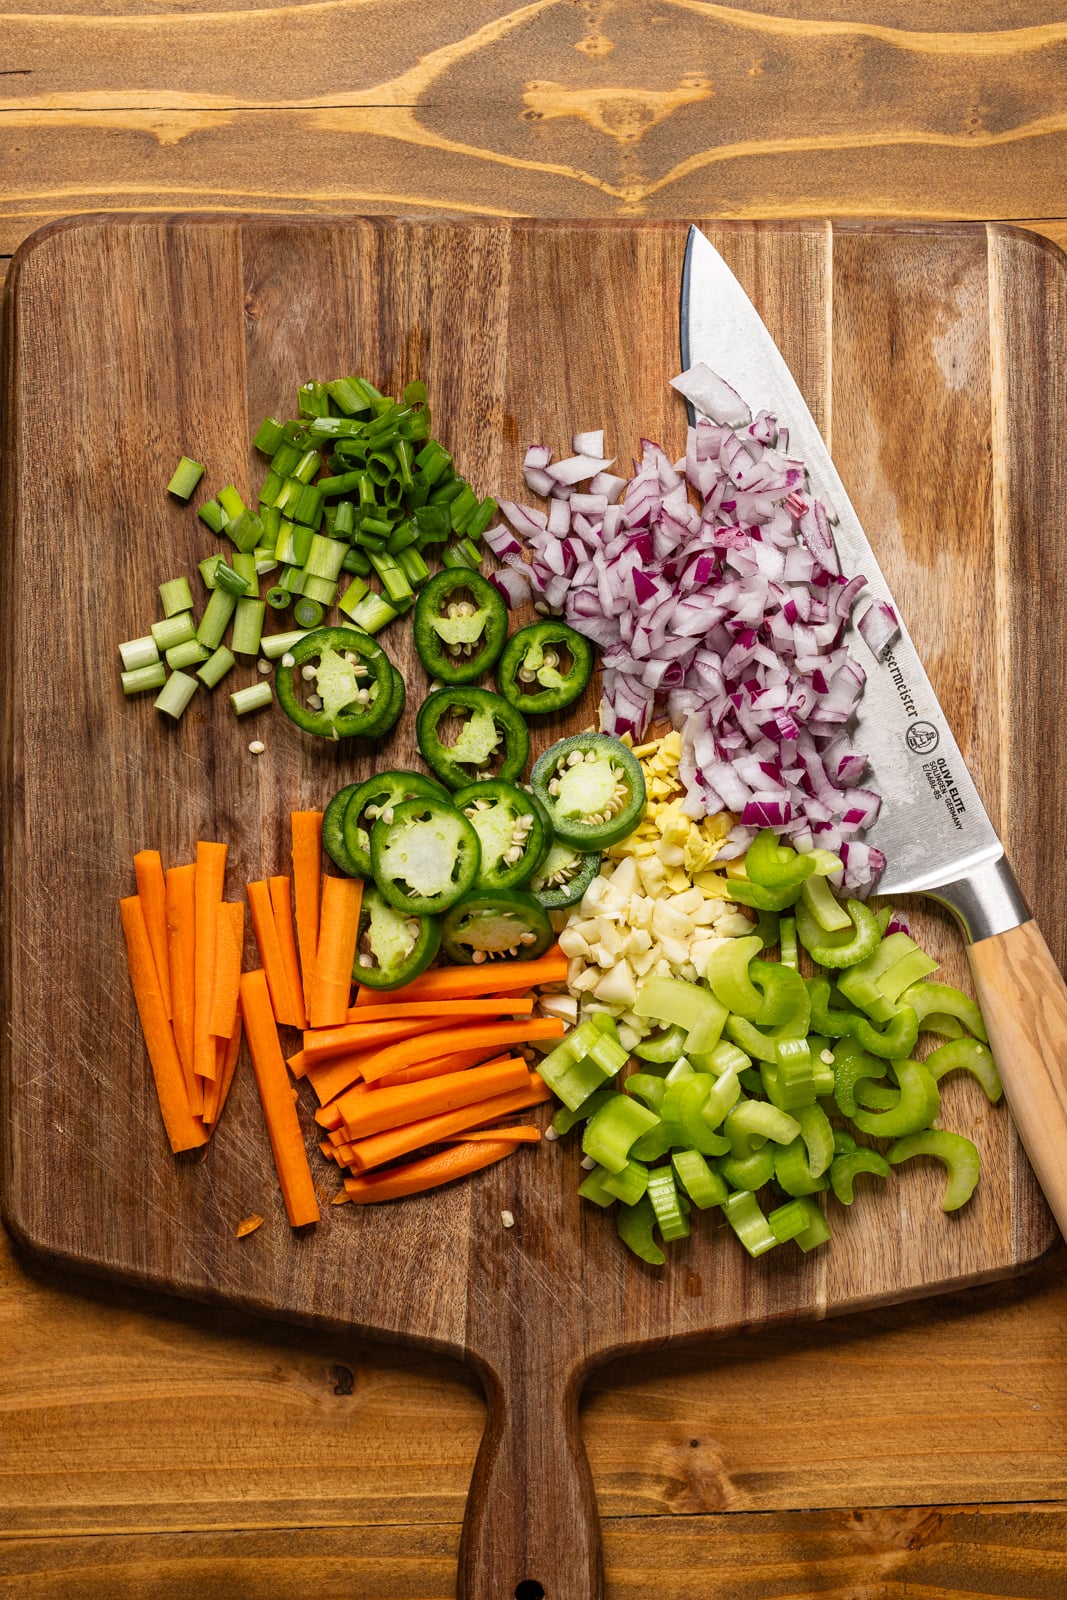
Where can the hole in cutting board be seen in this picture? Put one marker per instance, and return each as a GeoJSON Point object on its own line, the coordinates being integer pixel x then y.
{"type": "Point", "coordinates": [529, 1589]}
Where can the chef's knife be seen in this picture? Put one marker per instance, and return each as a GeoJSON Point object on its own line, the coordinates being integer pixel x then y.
{"type": "Point", "coordinates": [932, 826]}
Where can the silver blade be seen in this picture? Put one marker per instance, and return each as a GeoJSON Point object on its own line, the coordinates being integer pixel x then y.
{"type": "Point", "coordinates": [932, 827]}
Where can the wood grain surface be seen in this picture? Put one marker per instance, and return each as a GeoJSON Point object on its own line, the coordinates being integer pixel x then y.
{"type": "Point", "coordinates": [282, 300]}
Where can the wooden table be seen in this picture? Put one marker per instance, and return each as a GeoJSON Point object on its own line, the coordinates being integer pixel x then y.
{"type": "Point", "coordinates": [158, 1450]}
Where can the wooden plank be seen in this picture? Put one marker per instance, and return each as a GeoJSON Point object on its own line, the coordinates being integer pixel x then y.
{"type": "Point", "coordinates": [907, 1554]}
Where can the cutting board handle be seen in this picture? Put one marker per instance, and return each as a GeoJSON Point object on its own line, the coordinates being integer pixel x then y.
{"type": "Point", "coordinates": [532, 1528]}
{"type": "Point", "coordinates": [1024, 1002]}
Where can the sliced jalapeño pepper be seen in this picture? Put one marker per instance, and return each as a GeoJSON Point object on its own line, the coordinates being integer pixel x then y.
{"type": "Point", "coordinates": [365, 803]}
{"type": "Point", "coordinates": [425, 856]}
{"type": "Point", "coordinates": [492, 923]}
{"type": "Point", "coordinates": [564, 875]}
{"type": "Point", "coordinates": [392, 947]}
{"type": "Point", "coordinates": [333, 833]}
{"type": "Point", "coordinates": [544, 667]}
{"type": "Point", "coordinates": [511, 831]}
{"type": "Point", "coordinates": [352, 678]}
{"type": "Point", "coordinates": [491, 731]}
{"type": "Point", "coordinates": [593, 788]}
{"type": "Point", "coordinates": [461, 623]}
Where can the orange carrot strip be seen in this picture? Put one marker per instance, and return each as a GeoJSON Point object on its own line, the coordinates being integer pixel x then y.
{"type": "Point", "coordinates": [296, 1064]}
{"type": "Point", "coordinates": [373, 1112]}
{"type": "Point", "coordinates": [457, 983]}
{"type": "Point", "coordinates": [210, 872]}
{"type": "Point", "coordinates": [228, 1051]}
{"type": "Point", "coordinates": [429, 1173]}
{"type": "Point", "coordinates": [229, 949]}
{"type": "Point", "coordinates": [392, 1143]}
{"type": "Point", "coordinates": [283, 922]}
{"type": "Point", "coordinates": [181, 945]}
{"type": "Point", "coordinates": [275, 1094]}
{"type": "Point", "coordinates": [270, 950]}
{"type": "Point", "coordinates": [307, 882]}
{"type": "Point", "coordinates": [454, 1062]}
{"type": "Point", "coordinates": [152, 889]}
{"type": "Point", "coordinates": [336, 951]}
{"type": "Point", "coordinates": [329, 1116]}
{"type": "Point", "coordinates": [328, 1078]}
{"type": "Point", "coordinates": [519, 1133]}
{"type": "Point", "coordinates": [409, 1052]}
{"type": "Point", "coordinates": [327, 1149]}
{"type": "Point", "coordinates": [443, 1010]}
{"type": "Point", "coordinates": [320, 1044]}
{"type": "Point", "coordinates": [185, 1130]}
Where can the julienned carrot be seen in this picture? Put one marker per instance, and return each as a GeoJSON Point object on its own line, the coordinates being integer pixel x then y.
{"type": "Point", "coordinates": [520, 1133]}
{"type": "Point", "coordinates": [409, 1052]}
{"type": "Point", "coordinates": [185, 1130]}
{"type": "Point", "coordinates": [270, 950]}
{"type": "Point", "coordinates": [152, 889]}
{"type": "Point", "coordinates": [329, 1078]}
{"type": "Point", "coordinates": [229, 948]}
{"type": "Point", "coordinates": [322, 1044]}
{"type": "Point", "coordinates": [429, 1173]}
{"type": "Point", "coordinates": [215, 1093]}
{"type": "Point", "coordinates": [307, 886]}
{"type": "Point", "coordinates": [456, 1061]}
{"type": "Point", "coordinates": [335, 952]}
{"type": "Point", "coordinates": [378, 1109]}
{"type": "Point", "coordinates": [456, 983]}
{"type": "Point", "coordinates": [389, 1145]}
{"type": "Point", "coordinates": [443, 1010]}
{"type": "Point", "coordinates": [181, 945]}
{"type": "Point", "coordinates": [210, 873]}
{"type": "Point", "coordinates": [276, 1098]}
{"type": "Point", "coordinates": [283, 922]}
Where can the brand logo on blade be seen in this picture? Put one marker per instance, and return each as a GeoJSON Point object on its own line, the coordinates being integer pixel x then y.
{"type": "Point", "coordinates": [922, 738]}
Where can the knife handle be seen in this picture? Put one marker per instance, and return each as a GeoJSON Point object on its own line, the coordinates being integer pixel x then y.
{"type": "Point", "coordinates": [531, 1526]}
{"type": "Point", "coordinates": [1024, 1002]}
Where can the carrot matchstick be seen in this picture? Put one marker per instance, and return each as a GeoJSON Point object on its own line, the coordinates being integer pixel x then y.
{"type": "Point", "coordinates": [270, 950]}
{"type": "Point", "coordinates": [457, 983]}
{"type": "Point", "coordinates": [210, 873]}
{"type": "Point", "coordinates": [229, 948]}
{"type": "Point", "coordinates": [283, 921]}
{"type": "Point", "coordinates": [181, 945]}
{"type": "Point", "coordinates": [409, 1052]}
{"type": "Point", "coordinates": [429, 1173]}
{"type": "Point", "coordinates": [276, 1098]}
{"type": "Point", "coordinates": [152, 890]}
{"type": "Point", "coordinates": [342, 899]}
{"type": "Point", "coordinates": [307, 888]}
{"type": "Point", "coordinates": [184, 1129]}
{"type": "Point", "coordinates": [378, 1109]}
{"type": "Point", "coordinates": [392, 1143]}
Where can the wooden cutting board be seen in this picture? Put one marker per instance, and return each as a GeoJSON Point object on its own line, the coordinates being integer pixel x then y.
{"type": "Point", "coordinates": [934, 358]}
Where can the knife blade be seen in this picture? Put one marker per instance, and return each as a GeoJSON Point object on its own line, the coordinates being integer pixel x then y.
{"type": "Point", "coordinates": [933, 828]}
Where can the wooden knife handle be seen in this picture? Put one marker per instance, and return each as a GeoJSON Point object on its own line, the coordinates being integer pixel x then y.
{"type": "Point", "coordinates": [1024, 1002]}
{"type": "Point", "coordinates": [531, 1526]}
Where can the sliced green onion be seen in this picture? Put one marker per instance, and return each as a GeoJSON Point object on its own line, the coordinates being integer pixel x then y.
{"type": "Point", "coordinates": [140, 652]}
{"type": "Point", "coordinates": [275, 645]}
{"type": "Point", "coordinates": [308, 508]}
{"type": "Point", "coordinates": [321, 590]}
{"type": "Point", "coordinates": [352, 596]}
{"type": "Point", "coordinates": [254, 698]}
{"type": "Point", "coordinates": [245, 530]}
{"type": "Point", "coordinates": [175, 695]}
{"type": "Point", "coordinates": [174, 630]}
{"type": "Point", "coordinates": [308, 466]}
{"type": "Point", "coordinates": [244, 564]}
{"type": "Point", "coordinates": [325, 557]}
{"type": "Point", "coordinates": [285, 459]}
{"type": "Point", "coordinates": [268, 491]}
{"type": "Point", "coordinates": [307, 613]}
{"type": "Point", "coordinates": [247, 627]}
{"type": "Point", "coordinates": [207, 569]}
{"type": "Point", "coordinates": [373, 613]}
{"type": "Point", "coordinates": [175, 595]}
{"type": "Point", "coordinates": [213, 515]}
{"type": "Point", "coordinates": [278, 599]}
{"type": "Point", "coordinates": [187, 475]}
{"type": "Point", "coordinates": [189, 654]}
{"type": "Point", "coordinates": [229, 580]}
{"type": "Point", "coordinates": [292, 578]}
{"type": "Point", "coordinates": [231, 501]}
{"type": "Point", "coordinates": [216, 667]}
{"type": "Point", "coordinates": [216, 618]}
{"type": "Point", "coordinates": [268, 436]}
{"type": "Point", "coordinates": [293, 545]}
{"type": "Point", "coordinates": [153, 675]}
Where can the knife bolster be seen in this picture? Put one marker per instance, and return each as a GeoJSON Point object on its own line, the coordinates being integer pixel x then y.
{"type": "Point", "coordinates": [985, 901]}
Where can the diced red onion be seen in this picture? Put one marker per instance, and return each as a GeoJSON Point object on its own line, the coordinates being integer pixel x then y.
{"type": "Point", "coordinates": [577, 469]}
{"type": "Point", "coordinates": [878, 626]}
